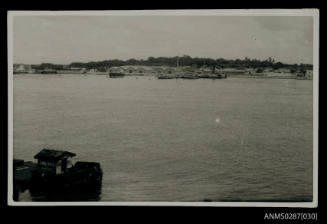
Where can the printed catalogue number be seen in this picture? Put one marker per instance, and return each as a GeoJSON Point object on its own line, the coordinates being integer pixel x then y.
{"type": "Point", "coordinates": [291, 216]}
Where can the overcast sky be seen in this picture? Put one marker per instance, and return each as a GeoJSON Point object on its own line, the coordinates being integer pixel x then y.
{"type": "Point", "coordinates": [66, 39]}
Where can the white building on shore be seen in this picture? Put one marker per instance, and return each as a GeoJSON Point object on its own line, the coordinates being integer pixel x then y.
{"type": "Point", "coordinates": [22, 68]}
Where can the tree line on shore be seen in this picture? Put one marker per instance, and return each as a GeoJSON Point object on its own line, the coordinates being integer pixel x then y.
{"type": "Point", "coordinates": [180, 61]}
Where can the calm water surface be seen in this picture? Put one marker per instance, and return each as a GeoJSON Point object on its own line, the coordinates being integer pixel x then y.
{"type": "Point", "coordinates": [174, 140]}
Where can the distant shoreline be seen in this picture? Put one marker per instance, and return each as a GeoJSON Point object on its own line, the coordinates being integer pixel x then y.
{"type": "Point", "coordinates": [229, 76]}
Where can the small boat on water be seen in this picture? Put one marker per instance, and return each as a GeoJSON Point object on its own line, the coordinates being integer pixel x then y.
{"type": "Point", "coordinates": [204, 76]}
{"type": "Point", "coordinates": [218, 76]}
{"type": "Point", "coordinates": [189, 76]}
{"type": "Point", "coordinates": [49, 71]}
{"type": "Point", "coordinates": [165, 77]}
{"type": "Point", "coordinates": [54, 171]}
{"type": "Point", "coordinates": [116, 75]}
{"type": "Point", "coordinates": [215, 75]}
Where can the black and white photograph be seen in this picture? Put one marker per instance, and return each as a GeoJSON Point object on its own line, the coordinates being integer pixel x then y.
{"type": "Point", "coordinates": [163, 107]}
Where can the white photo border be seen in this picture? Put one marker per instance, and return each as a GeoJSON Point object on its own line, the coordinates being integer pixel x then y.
{"type": "Point", "coordinates": [221, 12]}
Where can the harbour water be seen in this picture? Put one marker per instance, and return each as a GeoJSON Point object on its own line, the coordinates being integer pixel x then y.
{"type": "Point", "coordinates": [232, 139]}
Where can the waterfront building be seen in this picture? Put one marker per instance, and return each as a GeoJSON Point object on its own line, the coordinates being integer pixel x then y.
{"type": "Point", "coordinates": [22, 68]}
{"type": "Point", "coordinates": [137, 70]}
{"type": "Point", "coordinates": [116, 69]}
{"type": "Point", "coordinates": [129, 70]}
{"type": "Point", "coordinates": [140, 70]}
{"type": "Point", "coordinates": [233, 71]}
{"type": "Point", "coordinates": [158, 69]}
{"type": "Point", "coordinates": [169, 70]}
{"type": "Point", "coordinates": [309, 74]}
{"type": "Point", "coordinates": [92, 71]}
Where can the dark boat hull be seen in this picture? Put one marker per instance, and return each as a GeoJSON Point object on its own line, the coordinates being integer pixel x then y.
{"type": "Point", "coordinates": [84, 175]}
{"type": "Point", "coordinates": [49, 72]}
{"type": "Point", "coordinates": [116, 75]}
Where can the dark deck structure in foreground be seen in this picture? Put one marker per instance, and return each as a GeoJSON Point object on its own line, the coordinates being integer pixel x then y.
{"type": "Point", "coordinates": [54, 161]}
{"type": "Point", "coordinates": [54, 171]}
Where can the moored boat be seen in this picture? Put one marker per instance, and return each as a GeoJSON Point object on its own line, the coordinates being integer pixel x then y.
{"type": "Point", "coordinates": [116, 75]}
{"type": "Point", "coordinates": [54, 171]}
{"type": "Point", "coordinates": [49, 71]}
{"type": "Point", "coordinates": [218, 76]}
{"type": "Point", "coordinates": [162, 76]}
{"type": "Point", "coordinates": [189, 76]}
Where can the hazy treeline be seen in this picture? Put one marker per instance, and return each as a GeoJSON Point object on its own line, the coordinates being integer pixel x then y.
{"type": "Point", "coordinates": [181, 61]}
